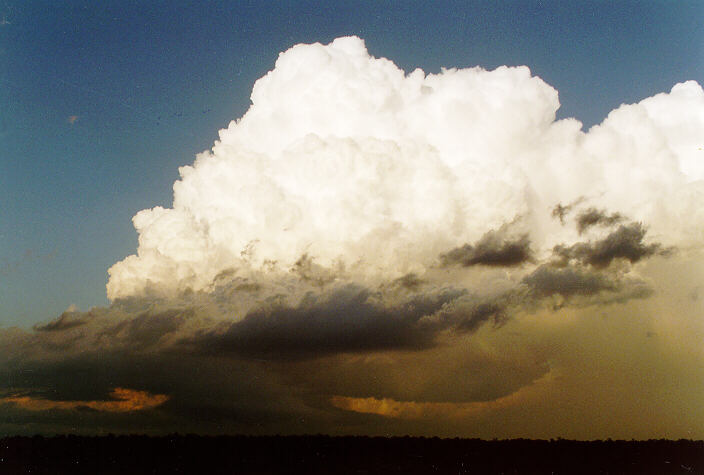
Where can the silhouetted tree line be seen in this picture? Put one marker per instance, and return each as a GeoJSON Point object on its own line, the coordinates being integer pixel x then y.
{"type": "Point", "coordinates": [184, 454]}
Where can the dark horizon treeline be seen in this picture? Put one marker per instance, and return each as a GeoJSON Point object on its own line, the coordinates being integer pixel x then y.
{"type": "Point", "coordinates": [318, 454]}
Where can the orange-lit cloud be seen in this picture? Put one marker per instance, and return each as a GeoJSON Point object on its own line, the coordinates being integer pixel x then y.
{"type": "Point", "coordinates": [125, 400]}
{"type": "Point", "coordinates": [72, 119]}
{"type": "Point", "coordinates": [453, 410]}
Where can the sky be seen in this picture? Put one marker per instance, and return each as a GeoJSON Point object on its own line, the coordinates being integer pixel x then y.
{"type": "Point", "coordinates": [460, 218]}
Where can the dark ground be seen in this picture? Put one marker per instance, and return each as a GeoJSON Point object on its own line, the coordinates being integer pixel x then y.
{"type": "Point", "coordinates": [343, 455]}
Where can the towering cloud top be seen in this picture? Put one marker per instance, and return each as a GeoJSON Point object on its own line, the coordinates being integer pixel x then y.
{"type": "Point", "coordinates": [374, 173]}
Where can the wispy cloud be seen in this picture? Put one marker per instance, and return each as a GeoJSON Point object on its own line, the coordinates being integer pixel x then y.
{"type": "Point", "coordinates": [452, 410]}
{"type": "Point", "coordinates": [124, 400]}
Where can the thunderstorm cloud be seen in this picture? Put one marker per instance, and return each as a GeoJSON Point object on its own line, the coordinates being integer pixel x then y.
{"type": "Point", "coordinates": [369, 250]}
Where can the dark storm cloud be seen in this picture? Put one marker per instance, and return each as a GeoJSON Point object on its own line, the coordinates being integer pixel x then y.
{"type": "Point", "coordinates": [626, 242]}
{"type": "Point", "coordinates": [593, 217]}
{"type": "Point", "coordinates": [348, 319]}
{"type": "Point", "coordinates": [494, 249]}
{"type": "Point", "coordinates": [283, 321]}
{"type": "Point", "coordinates": [577, 285]}
{"type": "Point", "coordinates": [581, 274]}
{"type": "Point", "coordinates": [483, 311]}
{"type": "Point", "coordinates": [469, 312]}
{"type": "Point", "coordinates": [311, 272]}
{"type": "Point", "coordinates": [104, 330]}
{"type": "Point", "coordinates": [546, 281]}
{"type": "Point", "coordinates": [409, 282]}
{"type": "Point", "coordinates": [43, 373]}
{"type": "Point", "coordinates": [222, 387]}
{"type": "Point", "coordinates": [65, 321]}
{"type": "Point", "coordinates": [147, 329]}
{"type": "Point", "coordinates": [206, 394]}
{"type": "Point", "coordinates": [449, 373]}
{"type": "Point", "coordinates": [215, 369]}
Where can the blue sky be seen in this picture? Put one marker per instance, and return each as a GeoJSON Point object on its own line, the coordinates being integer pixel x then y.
{"type": "Point", "coordinates": [101, 102]}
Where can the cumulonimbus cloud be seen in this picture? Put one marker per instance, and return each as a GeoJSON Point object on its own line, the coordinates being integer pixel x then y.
{"type": "Point", "coordinates": [350, 161]}
{"type": "Point", "coordinates": [347, 319]}
{"type": "Point", "coordinates": [345, 247]}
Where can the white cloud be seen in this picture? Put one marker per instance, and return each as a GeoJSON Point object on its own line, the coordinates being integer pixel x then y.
{"type": "Point", "coordinates": [362, 167]}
